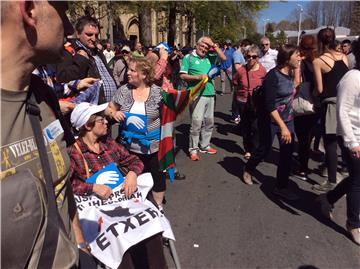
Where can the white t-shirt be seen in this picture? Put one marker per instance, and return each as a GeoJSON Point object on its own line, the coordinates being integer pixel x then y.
{"type": "Point", "coordinates": [108, 55]}
{"type": "Point", "coordinates": [268, 60]}
{"type": "Point", "coordinates": [348, 108]}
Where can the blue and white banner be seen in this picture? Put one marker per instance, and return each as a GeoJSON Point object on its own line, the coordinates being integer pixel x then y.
{"type": "Point", "coordinates": [109, 176]}
{"type": "Point", "coordinates": [136, 123]}
{"type": "Point", "coordinates": [113, 225]}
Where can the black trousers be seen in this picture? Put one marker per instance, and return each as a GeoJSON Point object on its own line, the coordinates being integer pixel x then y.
{"type": "Point", "coordinates": [349, 186]}
{"type": "Point", "coordinates": [267, 132]}
{"type": "Point", "coordinates": [303, 130]}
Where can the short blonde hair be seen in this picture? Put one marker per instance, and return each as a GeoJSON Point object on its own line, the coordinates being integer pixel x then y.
{"type": "Point", "coordinates": [146, 67]}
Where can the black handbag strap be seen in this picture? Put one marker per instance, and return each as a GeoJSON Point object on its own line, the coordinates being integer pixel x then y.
{"type": "Point", "coordinates": [52, 229]}
{"type": "Point", "coordinates": [247, 77]}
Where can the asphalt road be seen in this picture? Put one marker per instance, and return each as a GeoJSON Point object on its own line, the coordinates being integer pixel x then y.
{"type": "Point", "coordinates": [219, 222]}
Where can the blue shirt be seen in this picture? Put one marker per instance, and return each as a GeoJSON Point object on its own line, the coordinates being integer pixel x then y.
{"type": "Point", "coordinates": [229, 58]}
{"type": "Point", "coordinates": [238, 57]}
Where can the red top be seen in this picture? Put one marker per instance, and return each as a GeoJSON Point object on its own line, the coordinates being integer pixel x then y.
{"type": "Point", "coordinates": [110, 151]}
{"type": "Point", "coordinates": [241, 83]}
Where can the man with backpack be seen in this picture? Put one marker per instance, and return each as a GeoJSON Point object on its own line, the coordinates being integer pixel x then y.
{"type": "Point", "coordinates": [39, 223]}
{"type": "Point", "coordinates": [194, 68]}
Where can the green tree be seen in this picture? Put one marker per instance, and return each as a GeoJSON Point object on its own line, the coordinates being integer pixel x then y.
{"type": "Point", "coordinates": [281, 38]}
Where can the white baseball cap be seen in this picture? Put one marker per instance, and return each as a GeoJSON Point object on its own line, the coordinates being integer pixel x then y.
{"type": "Point", "coordinates": [82, 112]}
{"type": "Point", "coordinates": [125, 48]}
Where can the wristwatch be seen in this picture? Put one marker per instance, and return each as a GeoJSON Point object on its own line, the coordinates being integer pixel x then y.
{"type": "Point", "coordinates": [83, 245]}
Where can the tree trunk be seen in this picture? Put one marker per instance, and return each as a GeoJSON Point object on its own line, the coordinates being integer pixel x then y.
{"type": "Point", "coordinates": [172, 24]}
{"type": "Point", "coordinates": [355, 19]}
{"type": "Point", "coordinates": [189, 31]}
{"type": "Point", "coordinates": [145, 26]}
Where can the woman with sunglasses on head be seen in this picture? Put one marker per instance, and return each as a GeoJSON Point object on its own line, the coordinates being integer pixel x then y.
{"type": "Point", "coordinates": [276, 118]}
{"type": "Point", "coordinates": [247, 78]}
{"type": "Point", "coordinates": [304, 124]}
{"type": "Point", "coordinates": [94, 150]}
{"type": "Point", "coordinates": [329, 68]}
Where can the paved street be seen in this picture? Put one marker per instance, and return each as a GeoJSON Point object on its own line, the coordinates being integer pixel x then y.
{"type": "Point", "coordinates": [220, 222]}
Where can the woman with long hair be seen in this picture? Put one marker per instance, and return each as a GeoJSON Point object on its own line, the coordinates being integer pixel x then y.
{"type": "Point", "coordinates": [348, 130]}
{"type": "Point", "coordinates": [277, 119]}
{"type": "Point", "coordinates": [329, 68]}
{"type": "Point", "coordinates": [304, 124]}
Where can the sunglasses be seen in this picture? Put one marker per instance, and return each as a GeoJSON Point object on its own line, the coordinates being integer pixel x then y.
{"type": "Point", "coordinates": [266, 44]}
{"type": "Point", "coordinates": [254, 57]}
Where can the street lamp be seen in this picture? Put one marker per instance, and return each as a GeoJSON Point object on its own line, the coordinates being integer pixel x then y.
{"type": "Point", "coordinates": [301, 11]}
{"type": "Point", "coordinates": [265, 20]}
{"type": "Point", "coordinates": [224, 21]}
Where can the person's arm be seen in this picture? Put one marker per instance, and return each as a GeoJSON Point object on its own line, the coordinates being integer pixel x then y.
{"type": "Point", "coordinates": [348, 90]}
{"type": "Point", "coordinates": [113, 112]}
{"type": "Point", "coordinates": [270, 88]}
{"type": "Point", "coordinates": [184, 71]}
{"type": "Point", "coordinates": [219, 52]}
{"type": "Point", "coordinates": [318, 76]}
{"type": "Point", "coordinates": [238, 59]}
{"type": "Point", "coordinates": [79, 236]}
{"type": "Point", "coordinates": [285, 133]}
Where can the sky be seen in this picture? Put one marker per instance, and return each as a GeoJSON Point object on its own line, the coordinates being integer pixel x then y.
{"type": "Point", "coordinates": [277, 11]}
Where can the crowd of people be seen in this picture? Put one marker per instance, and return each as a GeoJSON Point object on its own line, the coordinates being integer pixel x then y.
{"type": "Point", "coordinates": [300, 93]}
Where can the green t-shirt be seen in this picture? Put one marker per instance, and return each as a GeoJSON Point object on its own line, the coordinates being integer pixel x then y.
{"type": "Point", "coordinates": [199, 66]}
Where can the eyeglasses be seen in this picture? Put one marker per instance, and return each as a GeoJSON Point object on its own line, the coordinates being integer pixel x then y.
{"type": "Point", "coordinates": [101, 120]}
{"type": "Point", "coordinates": [254, 57]}
{"type": "Point", "coordinates": [265, 44]}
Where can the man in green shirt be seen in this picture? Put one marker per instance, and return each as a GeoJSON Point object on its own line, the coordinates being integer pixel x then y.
{"type": "Point", "coordinates": [194, 68]}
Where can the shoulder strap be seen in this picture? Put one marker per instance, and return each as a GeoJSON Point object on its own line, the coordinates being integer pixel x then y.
{"type": "Point", "coordinates": [52, 226]}
{"type": "Point", "coordinates": [85, 162]}
{"type": "Point", "coordinates": [247, 76]}
{"type": "Point", "coordinates": [325, 61]}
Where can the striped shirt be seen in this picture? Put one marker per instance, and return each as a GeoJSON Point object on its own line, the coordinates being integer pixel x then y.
{"type": "Point", "coordinates": [124, 98]}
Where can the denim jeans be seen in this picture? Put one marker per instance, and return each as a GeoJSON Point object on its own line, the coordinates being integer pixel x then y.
{"type": "Point", "coordinates": [202, 122]}
{"type": "Point", "coordinates": [267, 132]}
{"type": "Point", "coordinates": [351, 187]}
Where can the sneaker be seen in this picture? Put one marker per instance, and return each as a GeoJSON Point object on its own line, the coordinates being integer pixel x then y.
{"type": "Point", "coordinates": [324, 186]}
{"type": "Point", "coordinates": [194, 157]}
{"type": "Point", "coordinates": [247, 178]}
{"type": "Point", "coordinates": [286, 193]}
{"type": "Point", "coordinates": [300, 175]}
{"type": "Point", "coordinates": [325, 207]}
{"type": "Point", "coordinates": [355, 233]}
{"type": "Point", "coordinates": [209, 150]}
{"type": "Point", "coordinates": [179, 176]}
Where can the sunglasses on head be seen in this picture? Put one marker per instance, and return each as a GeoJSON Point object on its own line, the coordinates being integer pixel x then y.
{"type": "Point", "coordinates": [252, 57]}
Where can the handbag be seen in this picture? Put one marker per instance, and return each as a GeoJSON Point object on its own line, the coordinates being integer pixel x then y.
{"type": "Point", "coordinates": [303, 103]}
